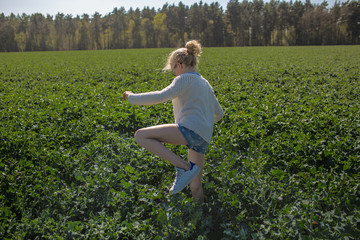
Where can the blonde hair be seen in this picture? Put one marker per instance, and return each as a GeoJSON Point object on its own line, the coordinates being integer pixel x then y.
{"type": "Point", "coordinates": [187, 55]}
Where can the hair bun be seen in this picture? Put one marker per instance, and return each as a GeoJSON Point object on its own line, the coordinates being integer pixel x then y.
{"type": "Point", "coordinates": [193, 47]}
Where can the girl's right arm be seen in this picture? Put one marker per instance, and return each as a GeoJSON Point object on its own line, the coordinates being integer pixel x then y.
{"type": "Point", "coordinates": [219, 113]}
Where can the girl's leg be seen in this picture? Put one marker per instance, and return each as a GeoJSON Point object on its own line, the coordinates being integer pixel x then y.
{"type": "Point", "coordinates": [152, 139]}
{"type": "Point", "coordinates": [196, 185]}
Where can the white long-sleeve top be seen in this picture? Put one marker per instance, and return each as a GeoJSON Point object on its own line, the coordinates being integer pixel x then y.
{"type": "Point", "coordinates": [194, 103]}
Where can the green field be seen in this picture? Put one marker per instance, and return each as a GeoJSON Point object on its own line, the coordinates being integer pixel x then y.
{"type": "Point", "coordinates": [283, 164]}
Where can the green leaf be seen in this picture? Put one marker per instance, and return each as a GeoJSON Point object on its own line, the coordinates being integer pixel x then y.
{"type": "Point", "coordinates": [129, 169]}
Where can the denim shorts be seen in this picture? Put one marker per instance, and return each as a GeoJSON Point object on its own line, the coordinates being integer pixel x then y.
{"type": "Point", "coordinates": [195, 142]}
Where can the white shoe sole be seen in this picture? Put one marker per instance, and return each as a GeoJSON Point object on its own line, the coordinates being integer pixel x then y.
{"type": "Point", "coordinates": [192, 174]}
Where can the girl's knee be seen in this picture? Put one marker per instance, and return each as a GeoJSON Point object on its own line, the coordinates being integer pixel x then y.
{"type": "Point", "coordinates": [139, 136]}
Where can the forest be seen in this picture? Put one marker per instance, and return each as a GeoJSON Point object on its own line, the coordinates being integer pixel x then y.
{"type": "Point", "coordinates": [245, 23]}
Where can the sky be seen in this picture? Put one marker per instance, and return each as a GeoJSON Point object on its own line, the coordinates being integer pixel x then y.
{"type": "Point", "coordinates": [79, 7]}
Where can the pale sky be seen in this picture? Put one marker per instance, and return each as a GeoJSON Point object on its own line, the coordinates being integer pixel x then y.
{"type": "Point", "coordinates": [79, 7]}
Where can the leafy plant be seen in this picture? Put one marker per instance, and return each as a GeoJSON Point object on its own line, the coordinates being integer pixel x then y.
{"type": "Point", "coordinates": [283, 164]}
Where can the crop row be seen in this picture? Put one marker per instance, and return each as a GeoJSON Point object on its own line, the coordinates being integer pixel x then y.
{"type": "Point", "coordinates": [283, 163]}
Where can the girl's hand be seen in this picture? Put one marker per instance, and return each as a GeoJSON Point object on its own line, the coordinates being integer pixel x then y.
{"type": "Point", "coordinates": [126, 94]}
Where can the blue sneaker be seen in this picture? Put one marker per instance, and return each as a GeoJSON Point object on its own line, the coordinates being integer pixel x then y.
{"type": "Point", "coordinates": [183, 178]}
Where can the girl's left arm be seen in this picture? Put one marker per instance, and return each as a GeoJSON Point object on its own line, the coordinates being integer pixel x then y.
{"type": "Point", "coordinates": [126, 94]}
{"type": "Point", "coordinates": [151, 98]}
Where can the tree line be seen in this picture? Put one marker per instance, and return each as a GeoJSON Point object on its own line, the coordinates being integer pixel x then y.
{"type": "Point", "coordinates": [246, 23]}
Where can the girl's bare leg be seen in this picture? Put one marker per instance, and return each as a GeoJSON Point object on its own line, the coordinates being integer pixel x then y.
{"type": "Point", "coordinates": [196, 185]}
{"type": "Point", "coordinates": [152, 139]}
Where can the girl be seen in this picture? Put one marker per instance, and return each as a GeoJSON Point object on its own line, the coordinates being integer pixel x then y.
{"type": "Point", "coordinates": [195, 109]}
